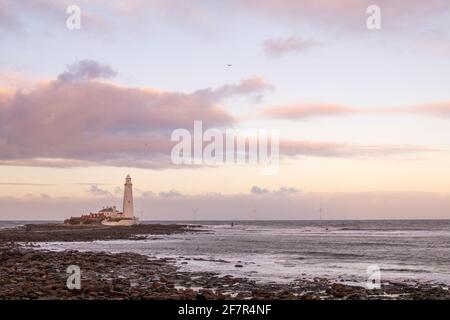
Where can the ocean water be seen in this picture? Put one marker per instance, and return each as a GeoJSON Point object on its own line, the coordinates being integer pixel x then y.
{"type": "Point", "coordinates": [282, 251]}
{"type": "Point", "coordinates": [18, 223]}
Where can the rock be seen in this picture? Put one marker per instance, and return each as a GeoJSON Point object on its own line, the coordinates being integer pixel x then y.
{"type": "Point", "coordinates": [310, 297]}
{"type": "Point", "coordinates": [356, 296]}
{"type": "Point", "coordinates": [107, 288]}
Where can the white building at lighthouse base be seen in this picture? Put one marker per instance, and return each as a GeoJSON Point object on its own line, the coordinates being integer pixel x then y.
{"type": "Point", "coordinates": [121, 222]}
{"type": "Point", "coordinates": [127, 217]}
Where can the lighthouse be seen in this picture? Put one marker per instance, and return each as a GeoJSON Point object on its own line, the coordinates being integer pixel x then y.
{"type": "Point", "coordinates": [125, 218]}
{"type": "Point", "coordinates": [128, 199]}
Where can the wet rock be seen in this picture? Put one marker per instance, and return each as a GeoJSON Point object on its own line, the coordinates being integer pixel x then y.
{"type": "Point", "coordinates": [310, 297]}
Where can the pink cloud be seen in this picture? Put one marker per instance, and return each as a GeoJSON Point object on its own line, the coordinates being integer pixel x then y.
{"type": "Point", "coordinates": [253, 85]}
{"type": "Point", "coordinates": [275, 48]}
{"type": "Point", "coordinates": [309, 110]}
{"type": "Point", "coordinates": [437, 109]}
{"type": "Point", "coordinates": [9, 22]}
{"type": "Point", "coordinates": [87, 122]}
{"type": "Point", "coordinates": [304, 110]}
{"type": "Point", "coordinates": [15, 15]}
{"type": "Point", "coordinates": [202, 15]}
{"type": "Point", "coordinates": [348, 13]}
{"type": "Point", "coordinates": [65, 123]}
{"type": "Point", "coordinates": [336, 149]}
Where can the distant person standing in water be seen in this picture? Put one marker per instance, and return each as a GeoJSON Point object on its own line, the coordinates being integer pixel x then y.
{"type": "Point", "coordinates": [232, 224]}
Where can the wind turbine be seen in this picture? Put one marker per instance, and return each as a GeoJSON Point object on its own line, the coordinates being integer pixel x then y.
{"type": "Point", "coordinates": [195, 214]}
{"type": "Point", "coordinates": [254, 212]}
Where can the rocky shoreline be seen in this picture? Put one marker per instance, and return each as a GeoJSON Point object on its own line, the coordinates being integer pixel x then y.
{"type": "Point", "coordinates": [27, 273]}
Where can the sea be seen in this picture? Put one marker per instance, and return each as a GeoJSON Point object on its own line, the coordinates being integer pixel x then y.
{"type": "Point", "coordinates": [283, 251]}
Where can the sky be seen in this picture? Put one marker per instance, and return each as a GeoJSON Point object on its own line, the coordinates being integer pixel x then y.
{"type": "Point", "coordinates": [363, 115]}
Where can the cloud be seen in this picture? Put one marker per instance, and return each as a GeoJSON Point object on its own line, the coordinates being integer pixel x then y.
{"type": "Point", "coordinates": [11, 80]}
{"type": "Point", "coordinates": [15, 16]}
{"type": "Point", "coordinates": [46, 162]}
{"type": "Point", "coordinates": [26, 184]}
{"type": "Point", "coordinates": [118, 191]}
{"type": "Point", "coordinates": [348, 14]}
{"type": "Point", "coordinates": [286, 191]}
{"type": "Point", "coordinates": [65, 123]}
{"type": "Point", "coordinates": [344, 14]}
{"type": "Point", "coordinates": [253, 85]}
{"type": "Point", "coordinates": [278, 47]}
{"type": "Point", "coordinates": [283, 191]}
{"type": "Point", "coordinates": [202, 15]}
{"type": "Point", "coordinates": [309, 110]}
{"type": "Point", "coordinates": [288, 149]}
{"type": "Point", "coordinates": [86, 70]}
{"type": "Point", "coordinates": [9, 22]}
{"type": "Point", "coordinates": [301, 111]}
{"type": "Point", "coordinates": [436, 109]}
{"type": "Point", "coordinates": [170, 194]}
{"type": "Point", "coordinates": [292, 148]}
{"type": "Point", "coordinates": [147, 194]}
{"type": "Point", "coordinates": [90, 183]}
{"type": "Point", "coordinates": [96, 191]}
{"type": "Point", "coordinates": [258, 190]}
{"type": "Point", "coordinates": [90, 122]}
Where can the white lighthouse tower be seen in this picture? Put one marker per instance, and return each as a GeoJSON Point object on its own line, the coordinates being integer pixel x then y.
{"type": "Point", "coordinates": [126, 218]}
{"type": "Point", "coordinates": [128, 199]}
